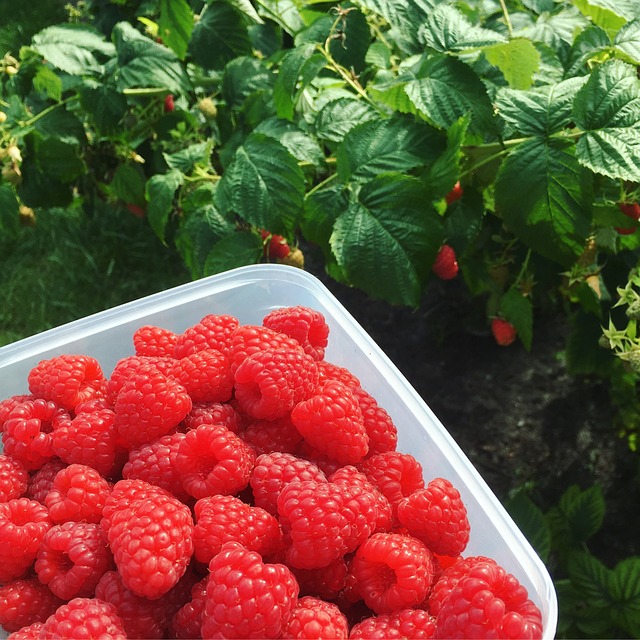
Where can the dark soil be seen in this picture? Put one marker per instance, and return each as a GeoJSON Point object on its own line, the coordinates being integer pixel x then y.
{"type": "Point", "coordinates": [519, 416]}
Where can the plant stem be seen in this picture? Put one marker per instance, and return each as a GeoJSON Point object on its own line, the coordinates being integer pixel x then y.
{"type": "Point", "coordinates": [322, 183]}
{"type": "Point", "coordinates": [507, 19]}
{"type": "Point", "coordinates": [483, 162]}
{"type": "Point", "coordinates": [44, 112]}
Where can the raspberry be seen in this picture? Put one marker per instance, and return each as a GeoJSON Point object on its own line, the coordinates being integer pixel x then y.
{"type": "Point", "coordinates": [314, 618]}
{"type": "Point", "coordinates": [275, 246]}
{"type": "Point", "coordinates": [27, 432]}
{"type": "Point", "coordinates": [330, 371]}
{"type": "Point", "coordinates": [246, 597]}
{"type": "Point", "coordinates": [213, 413]}
{"type": "Point", "coordinates": [13, 478]}
{"type": "Point", "coordinates": [392, 571]}
{"type": "Point", "coordinates": [487, 602]}
{"type": "Point", "coordinates": [323, 462]}
{"type": "Point", "coordinates": [89, 438]}
{"type": "Point", "coordinates": [324, 582]}
{"type": "Point", "coordinates": [25, 601]}
{"type": "Point", "coordinates": [67, 380]}
{"type": "Point", "coordinates": [631, 210]}
{"type": "Point", "coordinates": [31, 632]}
{"type": "Point", "coordinates": [437, 516]}
{"type": "Point", "coordinates": [212, 332]}
{"type": "Point", "coordinates": [249, 339]}
{"type": "Point", "coordinates": [396, 475]}
{"type": "Point", "coordinates": [307, 326]}
{"type": "Point", "coordinates": [127, 366]}
{"type": "Point", "coordinates": [150, 534]}
{"type": "Point", "coordinates": [324, 521]}
{"type": "Point", "coordinates": [23, 525]}
{"type": "Point", "coordinates": [149, 405]}
{"type": "Point", "coordinates": [72, 558]}
{"type": "Point", "coordinates": [381, 430]}
{"type": "Point", "coordinates": [84, 618]}
{"type": "Point", "coordinates": [331, 421]}
{"type": "Point", "coordinates": [273, 471]}
{"type": "Point", "coordinates": [211, 459]}
{"type": "Point", "coordinates": [9, 404]}
{"type": "Point", "coordinates": [186, 623]}
{"type": "Point", "coordinates": [267, 436]}
{"type": "Point", "coordinates": [403, 623]}
{"type": "Point", "coordinates": [141, 618]}
{"type": "Point", "coordinates": [503, 332]}
{"type": "Point", "coordinates": [206, 375]}
{"type": "Point", "coordinates": [455, 193]}
{"type": "Point", "coordinates": [221, 519]}
{"type": "Point", "coordinates": [155, 463]}
{"type": "Point", "coordinates": [169, 104]}
{"type": "Point", "coordinates": [150, 340]}
{"type": "Point", "coordinates": [268, 384]}
{"type": "Point", "coordinates": [78, 493]}
{"type": "Point", "coordinates": [41, 481]}
{"type": "Point", "coordinates": [445, 265]}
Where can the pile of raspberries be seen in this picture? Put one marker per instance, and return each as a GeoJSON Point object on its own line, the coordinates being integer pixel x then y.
{"type": "Point", "coordinates": [229, 482]}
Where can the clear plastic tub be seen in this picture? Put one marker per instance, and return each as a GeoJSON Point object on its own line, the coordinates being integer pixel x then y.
{"type": "Point", "coordinates": [249, 293]}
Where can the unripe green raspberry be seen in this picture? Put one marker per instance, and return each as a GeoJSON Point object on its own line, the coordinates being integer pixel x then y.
{"type": "Point", "coordinates": [633, 359]}
{"type": "Point", "coordinates": [633, 310]}
{"type": "Point", "coordinates": [208, 108]}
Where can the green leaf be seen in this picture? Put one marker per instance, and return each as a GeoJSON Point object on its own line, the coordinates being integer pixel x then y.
{"type": "Point", "coordinates": [187, 159]}
{"type": "Point", "coordinates": [588, 45]}
{"type": "Point", "coordinates": [245, 7]}
{"type": "Point", "coordinates": [446, 89]}
{"type": "Point", "coordinates": [9, 213]}
{"type": "Point", "coordinates": [590, 577]}
{"type": "Point", "coordinates": [447, 29]}
{"type": "Point", "coordinates": [390, 89]}
{"type": "Point", "coordinates": [58, 159]}
{"type": "Point", "coordinates": [339, 116]}
{"type": "Point", "coordinates": [518, 59]}
{"type": "Point", "coordinates": [297, 69]}
{"type": "Point", "coordinates": [518, 310]}
{"type": "Point", "coordinates": [128, 184]}
{"type": "Point", "coordinates": [627, 41]}
{"type": "Point", "coordinates": [48, 82]}
{"type": "Point", "coordinates": [583, 357]}
{"type": "Point", "coordinates": [607, 109]}
{"type": "Point", "coordinates": [624, 585]}
{"type": "Point", "coordinates": [464, 220]}
{"type": "Point", "coordinates": [243, 77]}
{"type": "Point", "coordinates": [394, 144]}
{"type": "Point", "coordinates": [299, 143]}
{"type": "Point", "coordinates": [388, 238]}
{"type": "Point", "coordinates": [284, 13]}
{"type": "Point", "coordinates": [583, 511]}
{"type": "Point", "coordinates": [104, 105]}
{"type": "Point", "coordinates": [608, 14]}
{"type": "Point", "coordinates": [235, 250]}
{"type": "Point", "coordinates": [63, 125]}
{"type": "Point", "coordinates": [556, 29]}
{"type": "Point", "coordinates": [219, 36]}
{"type": "Point", "coordinates": [530, 520]}
{"type": "Point", "coordinates": [159, 192]}
{"type": "Point", "coordinates": [263, 185]}
{"type": "Point", "coordinates": [540, 111]}
{"type": "Point", "coordinates": [176, 25]}
{"type": "Point", "coordinates": [554, 219]}
{"type": "Point", "coordinates": [321, 210]}
{"type": "Point", "coordinates": [74, 49]}
{"type": "Point", "coordinates": [144, 63]}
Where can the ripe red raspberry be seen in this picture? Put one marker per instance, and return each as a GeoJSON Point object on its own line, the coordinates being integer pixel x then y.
{"type": "Point", "coordinates": [404, 623]}
{"type": "Point", "coordinates": [186, 623]}
{"type": "Point", "coordinates": [314, 618]}
{"type": "Point", "coordinates": [78, 493]}
{"type": "Point", "coordinates": [221, 519]}
{"type": "Point", "coordinates": [326, 464]}
{"type": "Point", "coordinates": [141, 617]}
{"type": "Point", "coordinates": [27, 432]}
{"type": "Point", "coordinates": [67, 380]}
{"type": "Point", "coordinates": [323, 521]}
{"type": "Point", "coordinates": [30, 632]}
{"type": "Point", "coordinates": [455, 194]}
{"type": "Point", "coordinates": [206, 375]}
{"type": "Point", "coordinates": [213, 413]}
{"type": "Point", "coordinates": [72, 558]}
{"type": "Point", "coordinates": [273, 471]}
{"type": "Point", "coordinates": [330, 371]}
{"type": "Point", "coordinates": [487, 602]}
{"type": "Point", "coordinates": [150, 533]}
{"type": "Point", "coordinates": [446, 264]}
{"type": "Point", "coordinates": [150, 340]}
{"type": "Point", "coordinates": [248, 339]}
{"type": "Point", "coordinates": [381, 430]}
{"type": "Point", "coordinates": [149, 405]}
{"type": "Point", "coordinates": [169, 104]}
{"type": "Point", "coordinates": [84, 618]}
{"type": "Point", "coordinates": [41, 481]}
{"type": "Point", "coordinates": [392, 571]}
{"type": "Point", "coordinates": [212, 332]}
{"type": "Point", "coordinates": [25, 601]}
{"type": "Point", "coordinates": [155, 463]}
{"type": "Point", "coordinates": [211, 459]}
{"type": "Point", "coordinates": [324, 582]}
{"type": "Point", "coordinates": [246, 597]}
{"type": "Point", "coordinates": [268, 384]}
{"type": "Point", "coordinates": [503, 332]}
{"type": "Point", "coordinates": [23, 525]}
{"type": "Point", "coordinates": [13, 478]}
{"type": "Point", "coordinates": [631, 210]}
{"type": "Point", "coordinates": [9, 404]}
{"type": "Point", "coordinates": [274, 246]}
{"type": "Point", "coordinates": [331, 421]}
{"type": "Point", "coordinates": [89, 438]}
{"type": "Point", "coordinates": [437, 516]}
{"type": "Point", "coordinates": [267, 436]}
{"type": "Point", "coordinates": [307, 326]}
{"type": "Point", "coordinates": [127, 366]}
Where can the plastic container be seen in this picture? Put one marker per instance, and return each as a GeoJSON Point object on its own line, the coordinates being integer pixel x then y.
{"type": "Point", "coordinates": [249, 293]}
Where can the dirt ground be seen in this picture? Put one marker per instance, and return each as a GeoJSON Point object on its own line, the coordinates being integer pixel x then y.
{"type": "Point", "coordinates": [519, 416]}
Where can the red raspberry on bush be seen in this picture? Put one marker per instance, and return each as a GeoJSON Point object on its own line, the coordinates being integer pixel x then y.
{"type": "Point", "coordinates": [403, 623]}
{"type": "Point", "coordinates": [212, 332]}
{"type": "Point", "coordinates": [84, 618]}
{"type": "Point", "coordinates": [314, 618]}
{"type": "Point", "coordinates": [13, 478]}
{"type": "Point", "coordinates": [437, 516]}
{"type": "Point", "coordinates": [246, 597]}
{"type": "Point", "coordinates": [25, 601]}
{"type": "Point", "coordinates": [169, 104]}
{"type": "Point", "coordinates": [503, 332]}
{"type": "Point", "coordinates": [446, 263]}
{"type": "Point", "coordinates": [206, 376]}
{"type": "Point", "coordinates": [274, 246]}
{"type": "Point", "coordinates": [72, 558]}
{"type": "Point", "coordinates": [392, 571]}
{"type": "Point", "coordinates": [150, 340]}
{"type": "Point", "coordinates": [631, 210]}
{"type": "Point", "coordinates": [455, 194]}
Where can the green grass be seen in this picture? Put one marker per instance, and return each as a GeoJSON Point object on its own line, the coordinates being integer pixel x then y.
{"type": "Point", "coordinates": [71, 265]}
{"type": "Point", "coordinates": [21, 20]}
